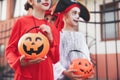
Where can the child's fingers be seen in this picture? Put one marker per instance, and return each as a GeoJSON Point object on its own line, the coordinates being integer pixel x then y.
{"type": "Point", "coordinates": [22, 60]}
{"type": "Point", "coordinates": [37, 60]}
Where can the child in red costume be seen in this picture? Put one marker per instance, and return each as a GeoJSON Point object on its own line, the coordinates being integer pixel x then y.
{"type": "Point", "coordinates": [40, 68]}
{"type": "Point", "coordinates": [50, 16]}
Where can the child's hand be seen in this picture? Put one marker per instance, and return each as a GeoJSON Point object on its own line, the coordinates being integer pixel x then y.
{"type": "Point", "coordinates": [70, 74]}
{"type": "Point", "coordinates": [46, 29]}
{"type": "Point", "coordinates": [24, 62]}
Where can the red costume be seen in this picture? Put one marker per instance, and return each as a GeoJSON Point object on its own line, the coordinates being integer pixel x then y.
{"type": "Point", "coordinates": [40, 71]}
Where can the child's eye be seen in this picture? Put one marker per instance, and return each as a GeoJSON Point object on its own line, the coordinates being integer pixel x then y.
{"type": "Point", "coordinates": [38, 1]}
{"type": "Point", "coordinates": [46, 18]}
{"type": "Point", "coordinates": [74, 12]}
{"type": "Point", "coordinates": [53, 19]}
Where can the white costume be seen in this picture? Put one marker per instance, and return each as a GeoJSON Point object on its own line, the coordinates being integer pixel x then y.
{"type": "Point", "coordinates": [72, 45]}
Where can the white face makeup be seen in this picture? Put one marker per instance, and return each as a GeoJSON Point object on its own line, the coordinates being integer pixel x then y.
{"type": "Point", "coordinates": [38, 1]}
{"type": "Point", "coordinates": [42, 4]}
{"type": "Point", "coordinates": [72, 16]}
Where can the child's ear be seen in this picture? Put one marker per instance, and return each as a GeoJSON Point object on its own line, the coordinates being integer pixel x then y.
{"type": "Point", "coordinates": [30, 2]}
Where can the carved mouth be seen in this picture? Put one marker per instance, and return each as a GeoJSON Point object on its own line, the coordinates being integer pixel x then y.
{"type": "Point", "coordinates": [86, 71]}
{"type": "Point", "coordinates": [32, 50]}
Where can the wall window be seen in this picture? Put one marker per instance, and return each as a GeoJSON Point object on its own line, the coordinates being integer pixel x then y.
{"type": "Point", "coordinates": [110, 15]}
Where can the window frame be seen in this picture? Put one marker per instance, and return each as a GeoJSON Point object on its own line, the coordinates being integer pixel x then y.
{"type": "Point", "coordinates": [108, 5]}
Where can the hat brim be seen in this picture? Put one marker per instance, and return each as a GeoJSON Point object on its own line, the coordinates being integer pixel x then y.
{"type": "Point", "coordinates": [63, 4]}
{"type": "Point", "coordinates": [84, 12]}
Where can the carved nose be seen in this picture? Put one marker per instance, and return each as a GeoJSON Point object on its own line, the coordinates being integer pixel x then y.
{"type": "Point", "coordinates": [33, 43]}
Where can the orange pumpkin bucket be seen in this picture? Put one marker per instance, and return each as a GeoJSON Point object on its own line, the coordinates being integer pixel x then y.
{"type": "Point", "coordinates": [83, 67]}
{"type": "Point", "coordinates": [33, 45]}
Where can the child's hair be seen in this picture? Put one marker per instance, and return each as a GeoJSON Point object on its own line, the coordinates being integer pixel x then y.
{"type": "Point", "coordinates": [27, 6]}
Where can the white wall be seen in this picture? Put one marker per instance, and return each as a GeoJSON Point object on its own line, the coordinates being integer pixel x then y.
{"type": "Point", "coordinates": [3, 9]}
{"type": "Point", "coordinates": [100, 45]}
{"type": "Point", "coordinates": [19, 8]}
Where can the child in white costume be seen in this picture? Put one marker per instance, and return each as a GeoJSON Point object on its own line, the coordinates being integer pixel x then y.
{"type": "Point", "coordinates": [72, 43]}
{"type": "Point", "coordinates": [72, 46]}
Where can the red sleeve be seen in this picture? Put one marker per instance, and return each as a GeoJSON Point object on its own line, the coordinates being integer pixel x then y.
{"type": "Point", "coordinates": [11, 53]}
{"type": "Point", "coordinates": [55, 46]}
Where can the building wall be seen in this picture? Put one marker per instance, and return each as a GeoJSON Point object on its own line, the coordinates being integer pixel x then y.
{"type": "Point", "coordinates": [4, 36]}
{"type": "Point", "coordinates": [107, 67]}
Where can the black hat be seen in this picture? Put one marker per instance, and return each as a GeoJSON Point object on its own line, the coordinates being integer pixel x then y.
{"type": "Point", "coordinates": [64, 4]}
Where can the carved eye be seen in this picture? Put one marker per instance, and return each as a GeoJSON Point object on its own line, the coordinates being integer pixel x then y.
{"type": "Point", "coordinates": [79, 63]}
{"type": "Point", "coordinates": [86, 64]}
{"type": "Point", "coordinates": [29, 38]}
{"type": "Point", "coordinates": [38, 39]}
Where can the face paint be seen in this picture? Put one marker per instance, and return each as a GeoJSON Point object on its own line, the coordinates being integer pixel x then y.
{"type": "Point", "coordinates": [73, 16]}
{"type": "Point", "coordinates": [38, 1]}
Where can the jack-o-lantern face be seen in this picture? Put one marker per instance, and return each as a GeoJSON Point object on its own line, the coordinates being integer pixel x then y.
{"type": "Point", "coordinates": [33, 45]}
{"type": "Point", "coordinates": [83, 67]}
